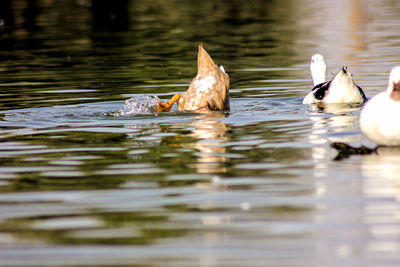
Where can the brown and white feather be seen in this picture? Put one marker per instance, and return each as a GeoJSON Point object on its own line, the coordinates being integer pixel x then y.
{"type": "Point", "coordinates": [209, 90]}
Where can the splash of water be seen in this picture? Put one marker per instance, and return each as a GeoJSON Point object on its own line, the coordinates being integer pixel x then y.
{"type": "Point", "coordinates": [138, 105]}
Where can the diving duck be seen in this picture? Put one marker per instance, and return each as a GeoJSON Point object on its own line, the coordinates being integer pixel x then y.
{"type": "Point", "coordinates": [208, 91]}
{"type": "Point", "coordinates": [341, 89]}
{"type": "Point", "coordinates": [378, 119]}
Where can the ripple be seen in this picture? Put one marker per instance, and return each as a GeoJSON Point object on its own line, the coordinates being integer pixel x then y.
{"type": "Point", "coordinates": [91, 175]}
{"type": "Point", "coordinates": [63, 173]}
{"type": "Point", "coordinates": [108, 233]}
{"type": "Point", "coordinates": [132, 168]}
{"type": "Point", "coordinates": [255, 166]}
{"type": "Point", "coordinates": [68, 91]}
{"type": "Point", "coordinates": [67, 223]}
{"type": "Point", "coordinates": [59, 150]}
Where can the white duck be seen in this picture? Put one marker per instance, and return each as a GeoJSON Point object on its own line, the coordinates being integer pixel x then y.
{"type": "Point", "coordinates": [379, 118]}
{"type": "Point", "coordinates": [341, 89]}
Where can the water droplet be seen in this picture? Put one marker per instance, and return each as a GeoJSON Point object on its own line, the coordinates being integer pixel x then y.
{"type": "Point", "coordinates": [138, 105]}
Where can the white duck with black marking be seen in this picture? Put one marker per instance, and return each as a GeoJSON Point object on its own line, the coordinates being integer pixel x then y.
{"type": "Point", "coordinates": [379, 119]}
{"type": "Point", "coordinates": [341, 89]}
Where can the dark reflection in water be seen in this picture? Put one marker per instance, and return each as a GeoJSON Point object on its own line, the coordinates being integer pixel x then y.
{"type": "Point", "coordinates": [110, 16]}
{"type": "Point", "coordinates": [6, 14]}
{"type": "Point", "coordinates": [154, 46]}
{"type": "Point", "coordinates": [80, 186]}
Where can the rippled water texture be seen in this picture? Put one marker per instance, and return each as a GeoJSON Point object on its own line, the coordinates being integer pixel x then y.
{"type": "Point", "coordinates": [91, 175]}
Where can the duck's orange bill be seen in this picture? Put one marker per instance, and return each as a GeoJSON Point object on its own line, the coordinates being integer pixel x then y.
{"type": "Point", "coordinates": [164, 107]}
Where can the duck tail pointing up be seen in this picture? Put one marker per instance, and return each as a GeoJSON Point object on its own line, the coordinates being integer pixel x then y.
{"type": "Point", "coordinates": [204, 61]}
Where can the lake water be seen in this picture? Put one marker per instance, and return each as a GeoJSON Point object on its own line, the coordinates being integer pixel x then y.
{"type": "Point", "coordinates": [83, 185]}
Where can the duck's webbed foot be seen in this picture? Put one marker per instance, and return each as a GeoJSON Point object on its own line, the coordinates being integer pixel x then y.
{"type": "Point", "coordinates": [165, 107]}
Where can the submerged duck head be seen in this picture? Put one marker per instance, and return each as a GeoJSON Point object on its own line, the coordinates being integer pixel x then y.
{"type": "Point", "coordinates": [341, 89]}
{"type": "Point", "coordinates": [343, 77]}
{"type": "Point", "coordinates": [209, 90]}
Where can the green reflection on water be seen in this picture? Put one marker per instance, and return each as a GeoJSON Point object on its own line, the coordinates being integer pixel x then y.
{"type": "Point", "coordinates": [140, 228]}
{"type": "Point", "coordinates": [63, 57]}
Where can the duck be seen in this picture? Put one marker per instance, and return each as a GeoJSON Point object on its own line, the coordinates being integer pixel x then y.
{"type": "Point", "coordinates": [208, 91]}
{"type": "Point", "coordinates": [341, 89]}
{"type": "Point", "coordinates": [378, 118]}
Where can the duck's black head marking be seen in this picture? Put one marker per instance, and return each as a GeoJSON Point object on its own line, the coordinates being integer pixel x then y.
{"type": "Point", "coordinates": [321, 90]}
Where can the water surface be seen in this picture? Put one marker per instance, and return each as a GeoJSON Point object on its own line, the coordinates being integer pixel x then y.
{"type": "Point", "coordinates": [83, 185]}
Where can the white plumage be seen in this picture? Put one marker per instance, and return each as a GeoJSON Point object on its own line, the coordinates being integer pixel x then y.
{"type": "Point", "coordinates": [318, 69]}
{"type": "Point", "coordinates": [341, 89]}
{"type": "Point", "coordinates": [379, 119]}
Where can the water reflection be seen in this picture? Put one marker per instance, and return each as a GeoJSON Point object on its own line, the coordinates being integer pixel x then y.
{"type": "Point", "coordinates": [356, 32]}
{"type": "Point", "coordinates": [257, 187]}
{"type": "Point", "coordinates": [111, 17]}
{"type": "Point", "coordinates": [6, 14]}
{"type": "Point", "coordinates": [331, 123]}
{"type": "Point", "coordinates": [382, 189]}
{"type": "Point", "coordinates": [210, 136]}
{"type": "Point", "coordinates": [382, 171]}
{"type": "Point", "coordinates": [197, 145]}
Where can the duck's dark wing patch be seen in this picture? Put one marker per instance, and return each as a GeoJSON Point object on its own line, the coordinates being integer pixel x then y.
{"type": "Point", "coordinates": [362, 93]}
{"type": "Point", "coordinates": [320, 90]}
